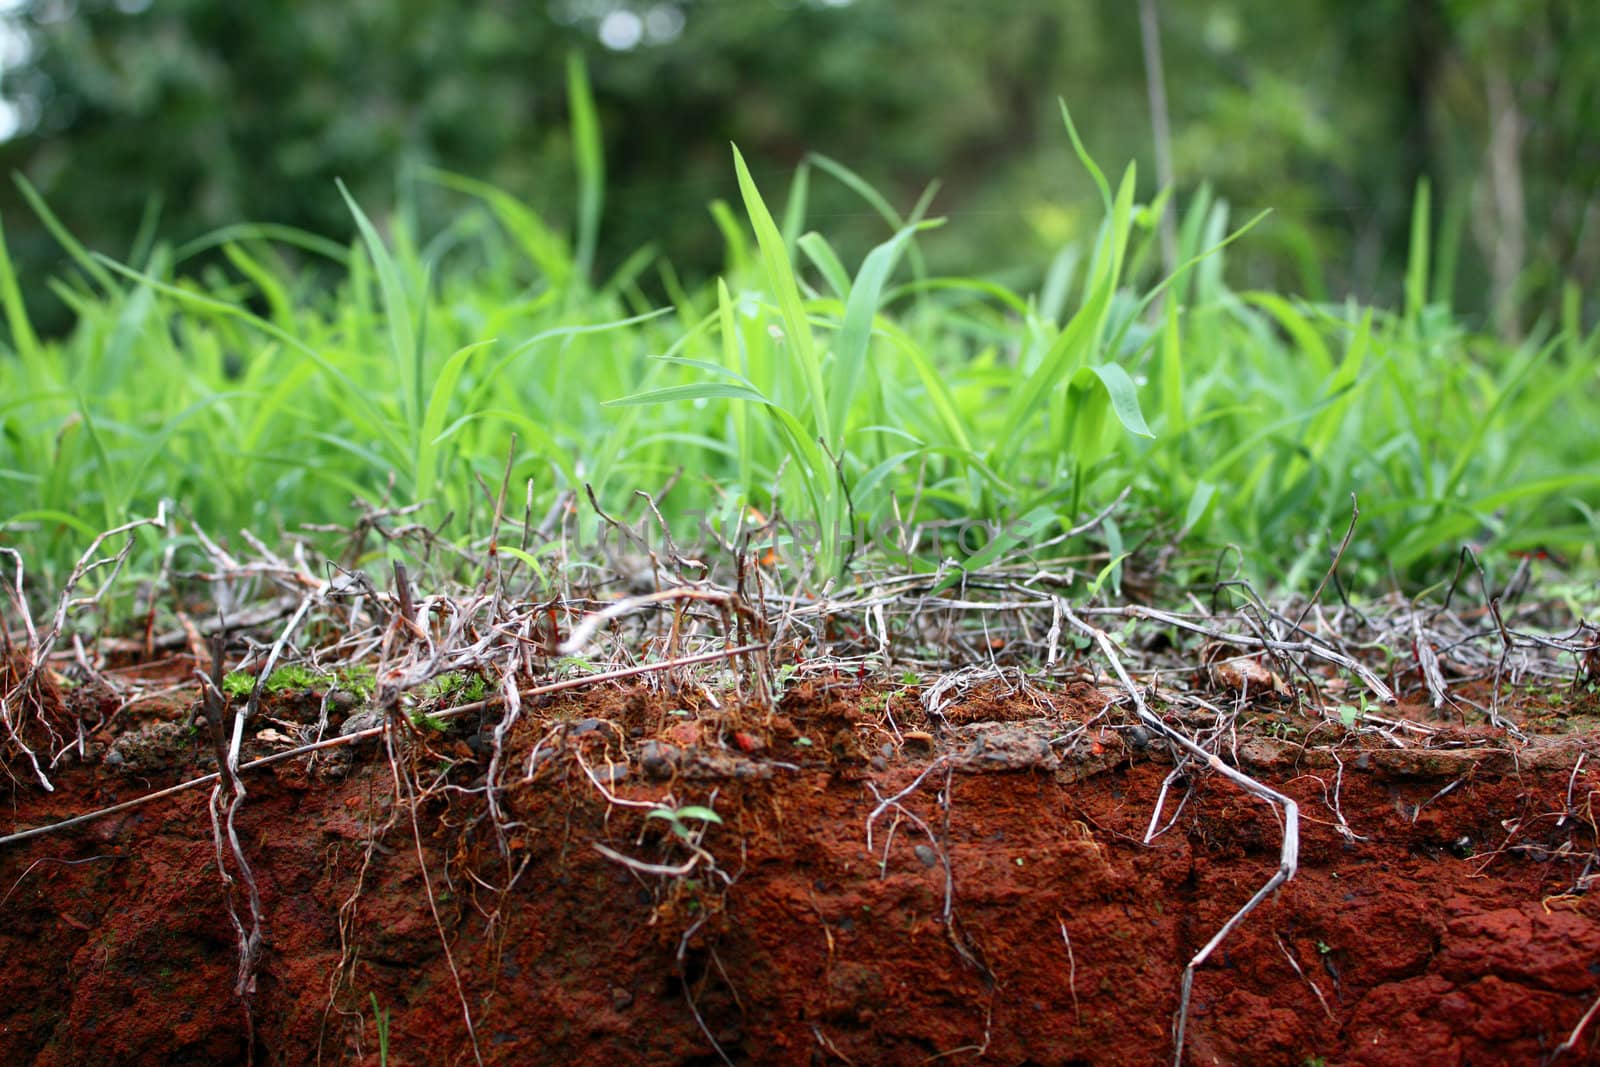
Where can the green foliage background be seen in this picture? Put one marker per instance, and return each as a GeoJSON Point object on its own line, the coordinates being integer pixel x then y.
{"type": "Point", "coordinates": [1326, 111]}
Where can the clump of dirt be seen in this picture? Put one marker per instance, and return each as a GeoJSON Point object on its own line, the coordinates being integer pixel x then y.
{"type": "Point", "coordinates": [866, 873]}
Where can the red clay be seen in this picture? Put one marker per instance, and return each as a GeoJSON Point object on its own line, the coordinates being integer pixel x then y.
{"type": "Point", "coordinates": [1457, 934]}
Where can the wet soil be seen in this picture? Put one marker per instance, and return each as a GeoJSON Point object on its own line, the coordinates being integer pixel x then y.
{"type": "Point", "coordinates": [1004, 908]}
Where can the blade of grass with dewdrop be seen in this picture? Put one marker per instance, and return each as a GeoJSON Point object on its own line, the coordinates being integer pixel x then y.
{"type": "Point", "coordinates": [1122, 393]}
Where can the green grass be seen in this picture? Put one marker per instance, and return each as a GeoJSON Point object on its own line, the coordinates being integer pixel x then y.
{"type": "Point", "coordinates": [273, 388]}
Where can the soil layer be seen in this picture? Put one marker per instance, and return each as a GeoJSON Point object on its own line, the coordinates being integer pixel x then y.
{"type": "Point", "coordinates": [883, 887]}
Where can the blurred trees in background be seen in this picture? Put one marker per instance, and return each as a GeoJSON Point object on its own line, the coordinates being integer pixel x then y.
{"type": "Point", "coordinates": [218, 111]}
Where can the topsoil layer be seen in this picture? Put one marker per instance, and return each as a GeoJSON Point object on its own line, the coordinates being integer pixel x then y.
{"type": "Point", "coordinates": [1006, 909]}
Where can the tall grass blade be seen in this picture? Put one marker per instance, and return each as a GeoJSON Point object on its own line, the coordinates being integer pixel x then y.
{"type": "Point", "coordinates": [590, 156]}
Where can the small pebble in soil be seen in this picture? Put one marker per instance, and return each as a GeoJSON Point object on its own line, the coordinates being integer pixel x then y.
{"type": "Point", "coordinates": [152, 748]}
{"type": "Point", "coordinates": [362, 720]}
{"type": "Point", "coordinates": [596, 726]}
{"type": "Point", "coordinates": [611, 773]}
{"type": "Point", "coordinates": [657, 758]}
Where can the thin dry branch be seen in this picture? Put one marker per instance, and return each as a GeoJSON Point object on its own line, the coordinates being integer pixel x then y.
{"type": "Point", "coordinates": [1287, 858]}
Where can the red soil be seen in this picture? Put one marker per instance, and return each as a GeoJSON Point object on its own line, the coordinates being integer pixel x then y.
{"type": "Point", "coordinates": [1460, 935]}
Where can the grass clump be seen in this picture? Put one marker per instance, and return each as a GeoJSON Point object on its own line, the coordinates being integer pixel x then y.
{"type": "Point", "coordinates": [997, 416]}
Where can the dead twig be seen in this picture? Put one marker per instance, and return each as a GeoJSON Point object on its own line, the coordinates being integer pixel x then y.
{"type": "Point", "coordinates": [1577, 1032]}
{"type": "Point", "coordinates": [1288, 857]}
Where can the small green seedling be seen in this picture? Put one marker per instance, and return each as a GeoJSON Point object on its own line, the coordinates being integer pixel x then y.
{"type": "Point", "coordinates": [781, 681]}
{"type": "Point", "coordinates": [677, 818]}
{"type": "Point", "coordinates": [381, 1020]}
{"type": "Point", "coordinates": [237, 684]}
{"type": "Point", "coordinates": [568, 665]}
{"type": "Point", "coordinates": [1350, 714]}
